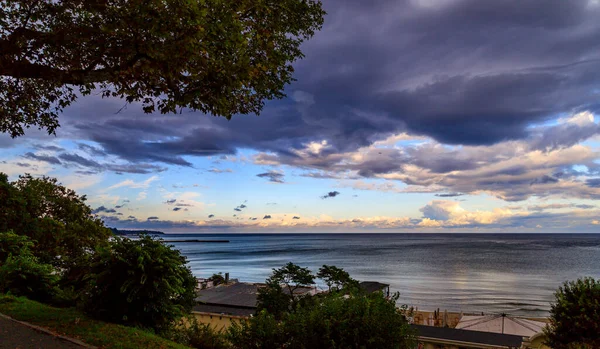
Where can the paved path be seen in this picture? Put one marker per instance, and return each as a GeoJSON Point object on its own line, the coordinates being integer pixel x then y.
{"type": "Point", "coordinates": [14, 335]}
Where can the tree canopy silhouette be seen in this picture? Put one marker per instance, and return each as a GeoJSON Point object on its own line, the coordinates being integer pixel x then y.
{"type": "Point", "coordinates": [217, 56]}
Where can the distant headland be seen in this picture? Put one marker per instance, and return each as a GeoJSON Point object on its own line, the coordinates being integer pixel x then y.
{"type": "Point", "coordinates": [135, 232]}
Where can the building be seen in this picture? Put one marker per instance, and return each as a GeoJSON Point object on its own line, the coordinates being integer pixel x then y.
{"type": "Point", "coordinates": [531, 330]}
{"type": "Point", "coordinates": [501, 323]}
{"type": "Point", "coordinates": [222, 305]}
{"type": "Point", "coordinates": [374, 286]}
{"type": "Point", "coordinates": [449, 338]}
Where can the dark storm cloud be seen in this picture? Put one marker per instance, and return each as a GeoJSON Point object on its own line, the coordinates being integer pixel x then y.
{"type": "Point", "coordinates": [449, 195]}
{"type": "Point", "coordinates": [267, 217]}
{"type": "Point", "coordinates": [79, 160]}
{"type": "Point", "coordinates": [46, 158]}
{"type": "Point", "coordinates": [211, 215]}
{"type": "Point", "coordinates": [593, 182]}
{"type": "Point", "coordinates": [176, 209]}
{"type": "Point", "coordinates": [48, 147]}
{"type": "Point", "coordinates": [463, 72]}
{"type": "Point", "coordinates": [92, 166]}
{"type": "Point", "coordinates": [91, 150]}
{"type": "Point", "coordinates": [152, 218]}
{"type": "Point", "coordinates": [103, 209]}
{"type": "Point", "coordinates": [273, 176]}
{"type": "Point", "coordinates": [331, 194]}
{"type": "Point", "coordinates": [237, 209]}
{"type": "Point", "coordinates": [218, 170]}
{"type": "Point", "coordinates": [22, 164]}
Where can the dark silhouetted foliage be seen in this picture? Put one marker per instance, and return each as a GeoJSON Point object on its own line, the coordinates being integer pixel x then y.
{"type": "Point", "coordinates": [219, 57]}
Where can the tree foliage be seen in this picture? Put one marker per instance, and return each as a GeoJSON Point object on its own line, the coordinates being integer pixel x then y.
{"type": "Point", "coordinates": [218, 56]}
{"type": "Point", "coordinates": [575, 315]}
{"type": "Point", "coordinates": [56, 219]}
{"type": "Point", "coordinates": [279, 294]}
{"type": "Point", "coordinates": [13, 244]}
{"type": "Point", "coordinates": [197, 335]}
{"type": "Point", "coordinates": [21, 273]}
{"type": "Point", "coordinates": [336, 278]}
{"type": "Point", "coordinates": [329, 321]}
{"type": "Point", "coordinates": [139, 282]}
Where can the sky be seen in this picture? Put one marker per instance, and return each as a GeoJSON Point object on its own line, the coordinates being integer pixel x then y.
{"type": "Point", "coordinates": [406, 116]}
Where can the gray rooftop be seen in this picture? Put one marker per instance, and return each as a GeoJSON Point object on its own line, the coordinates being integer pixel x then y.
{"type": "Point", "coordinates": [372, 286]}
{"type": "Point", "coordinates": [475, 337]}
{"type": "Point", "coordinates": [222, 309]}
{"type": "Point", "coordinates": [237, 295]}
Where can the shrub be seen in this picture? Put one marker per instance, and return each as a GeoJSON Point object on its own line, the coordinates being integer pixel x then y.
{"type": "Point", "coordinates": [139, 282]}
{"type": "Point", "coordinates": [334, 320]}
{"type": "Point", "coordinates": [23, 275]}
{"type": "Point", "coordinates": [54, 217]}
{"type": "Point", "coordinates": [197, 335]}
{"type": "Point", "coordinates": [13, 244]}
{"type": "Point", "coordinates": [575, 315]}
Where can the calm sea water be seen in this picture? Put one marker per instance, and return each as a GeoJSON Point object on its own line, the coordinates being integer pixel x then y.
{"type": "Point", "coordinates": [515, 273]}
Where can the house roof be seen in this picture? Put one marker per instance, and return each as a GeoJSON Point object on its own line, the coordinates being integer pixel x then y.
{"type": "Point", "coordinates": [501, 324]}
{"type": "Point", "coordinates": [222, 309]}
{"type": "Point", "coordinates": [372, 286]}
{"type": "Point", "coordinates": [235, 295]}
{"type": "Point", "coordinates": [466, 336]}
{"type": "Point", "coordinates": [238, 294]}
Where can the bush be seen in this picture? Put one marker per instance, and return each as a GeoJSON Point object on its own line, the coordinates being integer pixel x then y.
{"type": "Point", "coordinates": [196, 335]}
{"type": "Point", "coordinates": [139, 282]}
{"type": "Point", "coordinates": [575, 315]}
{"type": "Point", "coordinates": [13, 244]}
{"type": "Point", "coordinates": [54, 217]}
{"type": "Point", "coordinates": [23, 275]}
{"type": "Point", "coordinates": [329, 321]}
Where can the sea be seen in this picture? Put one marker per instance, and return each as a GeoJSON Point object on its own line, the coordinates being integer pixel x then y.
{"type": "Point", "coordinates": [516, 274]}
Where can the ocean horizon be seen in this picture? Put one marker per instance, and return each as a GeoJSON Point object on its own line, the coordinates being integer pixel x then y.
{"type": "Point", "coordinates": [512, 273]}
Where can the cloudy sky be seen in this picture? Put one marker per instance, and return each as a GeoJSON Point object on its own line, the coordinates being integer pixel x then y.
{"type": "Point", "coordinates": [407, 116]}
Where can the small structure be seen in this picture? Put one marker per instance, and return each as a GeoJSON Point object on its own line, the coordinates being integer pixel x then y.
{"type": "Point", "coordinates": [374, 286]}
{"type": "Point", "coordinates": [224, 304]}
{"type": "Point", "coordinates": [449, 338]}
{"type": "Point", "coordinates": [501, 323]}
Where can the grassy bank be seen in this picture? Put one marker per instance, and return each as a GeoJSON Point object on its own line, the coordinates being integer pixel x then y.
{"type": "Point", "coordinates": [72, 323]}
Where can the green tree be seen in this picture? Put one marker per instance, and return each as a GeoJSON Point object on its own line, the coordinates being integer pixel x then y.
{"type": "Point", "coordinates": [330, 321]}
{"type": "Point", "coordinates": [218, 56]}
{"type": "Point", "coordinates": [197, 335]}
{"type": "Point", "coordinates": [55, 218]}
{"type": "Point", "coordinates": [217, 279]}
{"type": "Point", "coordinates": [139, 282]}
{"type": "Point", "coordinates": [575, 315]}
{"type": "Point", "coordinates": [21, 273]}
{"type": "Point", "coordinates": [279, 294]}
{"type": "Point", "coordinates": [13, 244]}
{"type": "Point", "coordinates": [336, 278]}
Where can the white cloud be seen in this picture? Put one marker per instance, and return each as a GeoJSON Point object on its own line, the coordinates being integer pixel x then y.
{"type": "Point", "coordinates": [131, 184]}
{"type": "Point", "coordinates": [451, 214]}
